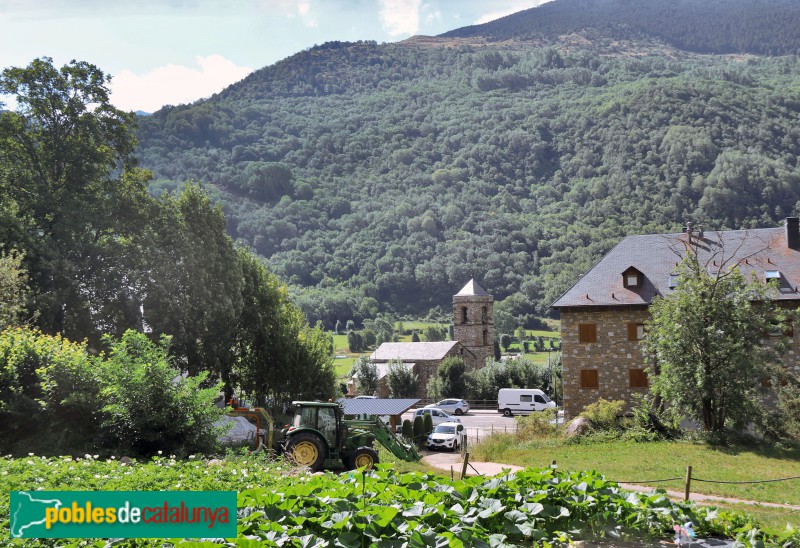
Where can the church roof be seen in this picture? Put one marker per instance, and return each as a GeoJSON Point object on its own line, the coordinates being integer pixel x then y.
{"type": "Point", "coordinates": [473, 289]}
{"type": "Point", "coordinates": [413, 351]}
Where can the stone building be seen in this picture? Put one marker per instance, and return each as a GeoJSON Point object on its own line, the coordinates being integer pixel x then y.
{"type": "Point", "coordinates": [603, 315]}
{"type": "Point", "coordinates": [473, 330]}
{"type": "Point", "coordinates": [473, 323]}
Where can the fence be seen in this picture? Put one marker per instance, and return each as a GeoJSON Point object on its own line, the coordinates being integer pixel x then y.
{"type": "Point", "coordinates": [473, 404]}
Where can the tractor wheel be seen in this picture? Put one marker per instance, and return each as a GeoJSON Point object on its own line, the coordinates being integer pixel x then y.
{"type": "Point", "coordinates": [306, 450]}
{"type": "Point", "coordinates": [363, 457]}
{"type": "Point", "coordinates": [507, 413]}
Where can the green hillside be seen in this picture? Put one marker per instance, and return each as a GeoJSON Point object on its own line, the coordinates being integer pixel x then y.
{"type": "Point", "coordinates": [381, 177]}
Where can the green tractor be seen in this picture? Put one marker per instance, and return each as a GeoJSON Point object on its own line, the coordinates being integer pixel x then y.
{"type": "Point", "coordinates": [320, 437]}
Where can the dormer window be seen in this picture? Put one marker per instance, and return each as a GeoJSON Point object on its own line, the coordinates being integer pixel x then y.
{"type": "Point", "coordinates": [673, 281]}
{"type": "Point", "coordinates": [772, 275]}
{"type": "Point", "coordinates": [632, 278]}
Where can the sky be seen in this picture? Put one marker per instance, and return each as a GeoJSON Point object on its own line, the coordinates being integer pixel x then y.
{"type": "Point", "coordinates": [170, 52]}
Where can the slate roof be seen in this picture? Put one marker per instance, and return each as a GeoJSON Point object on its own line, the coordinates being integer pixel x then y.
{"type": "Point", "coordinates": [377, 406]}
{"type": "Point", "coordinates": [473, 289]}
{"type": "Point", "coordinates": [412, 351]}
{"type": "Point", "coordinates": [383, 369]}
{"type": "Point", "coordinates": [656, 256]}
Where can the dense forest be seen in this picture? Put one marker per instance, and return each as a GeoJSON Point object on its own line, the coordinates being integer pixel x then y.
{"type": "Point", "coordinates": [381, 177]}
{"type": "Point", "coordinates": [767, 27]}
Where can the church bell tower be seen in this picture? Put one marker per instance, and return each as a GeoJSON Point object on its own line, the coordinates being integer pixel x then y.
{"type": "Point", "coordinates": [473, 323]}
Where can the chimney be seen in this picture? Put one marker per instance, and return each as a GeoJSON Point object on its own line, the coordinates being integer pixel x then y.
{"type": "Point", "coordinates": [793, 233]}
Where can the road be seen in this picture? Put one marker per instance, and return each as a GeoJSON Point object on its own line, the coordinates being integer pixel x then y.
{"type": "Point", "coordinates": [480, 423]}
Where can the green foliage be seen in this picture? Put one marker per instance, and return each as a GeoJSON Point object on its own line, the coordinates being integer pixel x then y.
{"type": "Point", "coordinates": [452, 372]}
{"type": "Point", "coordinates": [149, 406]}
{"type": "Point", "coordinates": [538, 425]}
{"type": "Point", "coordinates": [419, 429]}
{"type": "Point", "coordinates": [48, 393]}
{"type": "Point", "coordinates": [484, 383]}
{"type": "Point", "coordinates": [707, 339]}
{"type": "Point", "coordinates": [651, 421]}
{"type": "Point", "coordinates": [13, 289]}
{"type": "Point", "coordinates": [402, 381]}
{"type": "Point", "coordinates": [408, 429]}
{"type": "Point", "coordinates": [415, 337]}
{"type": "Point", "coordinates": [505, 341]}
{"type": "Point", "coordinates": [435, 389]}
{"type": "Point", "coordinates": [433, 333]}
{"type": "Point", "coordinates": [427, 424]}
{"type": "Point", "coordinates": [605, 415]}
{"type": "Point", "coordinates": [366, 374]}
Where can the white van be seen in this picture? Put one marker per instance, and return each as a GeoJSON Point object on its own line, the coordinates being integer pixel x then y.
{"type": "Point", "coordinates": [522, 401]}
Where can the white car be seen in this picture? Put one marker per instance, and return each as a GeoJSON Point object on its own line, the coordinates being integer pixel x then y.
{"type": "Point", "coordinates": [437, 415]}
{"type": "Point", "coordinates": [454, 406]}
{"type": "Point", "coordinates": [448, 435]}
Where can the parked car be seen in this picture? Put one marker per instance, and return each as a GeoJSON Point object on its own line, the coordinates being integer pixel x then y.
{"type": "Point", "coordinates": [522, 401]}
{"type": "Point", "coordinates": [437, 415]}
{"type": "Point", "coordinates": [448, 435]}
{"type": "Point", "coordinates": [452, 405]}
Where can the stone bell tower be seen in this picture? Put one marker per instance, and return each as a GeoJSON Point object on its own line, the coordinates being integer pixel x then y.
{"type": "Point", "coordinates": [473, 323]}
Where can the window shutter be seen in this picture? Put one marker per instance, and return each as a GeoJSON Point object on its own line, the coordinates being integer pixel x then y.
{"type": "Point", "coordinates": [632, 332]}
{"type": "Point", "coordinates": [638, 378]}
{"type": "Point", "coordinates": [589, 378]}
{"type": "Point", "coordinates": [587, 332]}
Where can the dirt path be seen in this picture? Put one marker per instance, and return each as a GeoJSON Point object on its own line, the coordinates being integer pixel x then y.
{"type": "Point", "coordinates": [453, 461]}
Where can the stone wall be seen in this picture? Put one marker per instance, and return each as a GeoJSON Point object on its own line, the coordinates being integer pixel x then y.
{"type": "Point", "coordinates": [612, 355]}
{"type": "Point", "coordinates": [476, 333]}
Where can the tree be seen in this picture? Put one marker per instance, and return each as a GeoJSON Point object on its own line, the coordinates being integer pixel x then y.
{"type": "Point", "coordinates": [452, 374]}
{"type": "Point", "coordinates": [366, 374]}
{"type": "Point", "coordinates": [13, 289]}
{"type": "Point", "coordinates": [505, 341]}
{"type": "Point", "coordinates": [706, 340]}
{"type": "Point", "coordinates": [353, 341]}
{"type": "Point", "coordinates": [402, 380]}
{"type": "Point", "coordinates": [414, 337]}
{"type": "Point", "coordinates": [433, 333]}
{"type": "Point", "coordinates": [58, 153]}
{"type": "Point", "coordinates": [338, 328]}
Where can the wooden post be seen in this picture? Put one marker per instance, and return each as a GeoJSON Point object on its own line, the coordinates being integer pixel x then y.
{"type": "Point", "coordinates": [688, 483]}
{"type": "Point", "coordinates": [451, 472]}
{"type": "Point", "coordinates": [464, 467]}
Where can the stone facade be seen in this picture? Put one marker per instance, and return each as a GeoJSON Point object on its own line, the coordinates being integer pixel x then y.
{"type": "Point", "coordinates": [473, 324]}
{"type": "Point", "coordinates": [612, 355]}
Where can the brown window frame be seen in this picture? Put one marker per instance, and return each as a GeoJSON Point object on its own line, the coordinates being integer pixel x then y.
{"type": "Point", "coordinates": [587, 332]}
{"type": "Point", "coordinates": [637, 378]}
{"type": "Point", "coordinates": [590, 378]}
{"type": "Point", "coordinates": [633, 331]}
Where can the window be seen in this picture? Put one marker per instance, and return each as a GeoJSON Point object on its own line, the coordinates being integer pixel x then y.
{"type": "Point", "coordinates": [772, 275]}
{"type": "Point", "coordinates": [632, 277]}
{"type": "Point", "coordinates": [631, 280]}
{"type": "Point", "coordinates": [638, 378]}
{"type": "Point", "coordinates": [673, 281]}
{"type": "Point", "coordinates": [539, 399]}
{"type": "Point", "coordinates": [635, 331]}
{"type": "Point", "coordinates": [485, 337]}
{"type": "Point", "coordinates": [463, 314]}
{"type": "Point", "coordinates": [587, 332]}
{"type": "Point", "coordinates": [526, 398]}
{"type": "Point", "coordinates": [484, 315]}
{"type": "Point", "coordinates": [589, 378]}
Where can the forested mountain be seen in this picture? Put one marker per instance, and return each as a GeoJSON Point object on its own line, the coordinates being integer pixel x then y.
{"type": "Point", "coordinates": [381, 177]}
{"type": "Point", "coordinates": [767, 27]}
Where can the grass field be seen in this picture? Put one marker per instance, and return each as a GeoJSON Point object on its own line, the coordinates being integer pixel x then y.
{"type": "Point", "coordinates": [628, 462]}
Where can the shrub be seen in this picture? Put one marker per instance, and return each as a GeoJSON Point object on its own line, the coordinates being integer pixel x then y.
{"type": "Point", "coordinates": [604, 414]}
{"type": "Point", "coordinates": [419, 429]}
{"type": "Point", "coordinates": [408, 429]}
{"type": "Point", "coordinates": [651, 423]}
{"type": "Point", "coordinates": [427, 425]}
{"type": "Point", "coordinates": [538, 425]}
{"type": "Point", "coordinates": [150, 406]}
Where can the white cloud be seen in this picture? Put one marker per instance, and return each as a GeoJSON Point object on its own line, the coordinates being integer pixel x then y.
{"type": "Point", "coordinates": [174, 84]}
{"type": "Point", "coordinates": [513, 8]}
{"type": "Point", "coordinates": [400, 17]}
{"type": "Point", "coordinates": [291, 9]}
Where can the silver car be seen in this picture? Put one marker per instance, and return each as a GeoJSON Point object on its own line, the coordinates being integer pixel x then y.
{"type": "Point", "coordinates": [452, 405]}
{"type": "Point", "coordinates": [437, 415]}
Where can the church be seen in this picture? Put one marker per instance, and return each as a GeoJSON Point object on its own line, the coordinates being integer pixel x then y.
{"type": "Point", "coordinates": [473, 334]}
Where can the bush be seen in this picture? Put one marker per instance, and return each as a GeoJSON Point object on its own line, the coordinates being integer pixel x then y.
{"type": "Point", "coordinates": [419, 429]}
{"type": "Point", "coordinates": [538, 425]}
{"type": "Point", "coordinates": [427, 425]}
{"type": "Point", "coordinates": [604, 414]}
{"type": "Point", "coordinates": [408, 429]}
{"type": "Point", "coordinates": [651, 423]}
{"type": "Point", "coordinates": [150, 406]}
